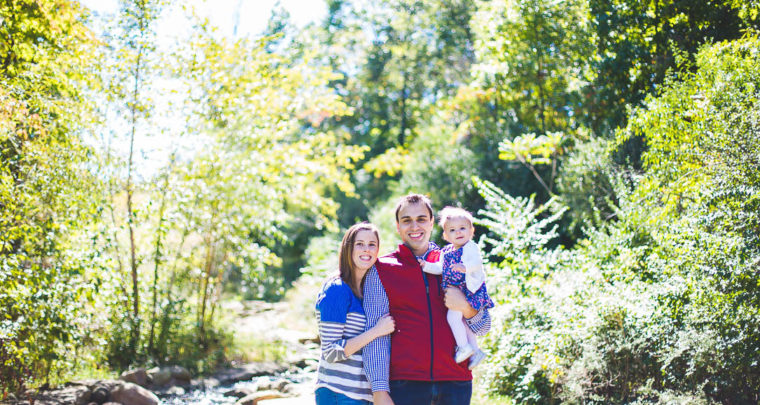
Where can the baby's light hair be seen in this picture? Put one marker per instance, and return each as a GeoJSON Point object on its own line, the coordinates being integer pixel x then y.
{"type": "Point", "coordinates": [448, 213]}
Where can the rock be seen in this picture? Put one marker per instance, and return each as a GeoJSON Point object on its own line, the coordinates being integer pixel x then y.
{"type": "Point", "coordinates": [309, 339]}
{"type": "Point", "coordinates": [272, 384]}
{"type": "Point", "coordinates": [209, 383]}
{"type": "Point", "coordinates": [111, 403]}
{"type": "Point", "coordinates": [247, 372]}
{"type": "Point", "coordinates": [83, 397]}
{"type": "Point", "coordinates": [132, 394]}
{"type": "Point", "coordinates": [180, 373]}
{"type": "Point", "coordinates": [99, 394]}
{"type": "Point", "coordinates": [159, 376]}
{"type": "Point", "coordinates": [257, 397]}
{"type": "Point", "coordinates": [299, 400]}
{"type": "Point", "coordinates": [176, 391]}
{"type": "Point", "coordinates": [87, 382]}
{"type": "Point", "coordinates": [138, 376]}
{"type": "Point", "coordinates": [71, 395]}
{"type": "Point", "coordinates": [239, 392]}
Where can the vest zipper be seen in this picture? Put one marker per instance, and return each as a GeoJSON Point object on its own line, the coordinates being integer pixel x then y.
{"type": "Point", "coordinates": [430, 318]}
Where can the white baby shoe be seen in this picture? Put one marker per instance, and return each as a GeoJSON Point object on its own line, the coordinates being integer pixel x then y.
{"type": "Point", "coordinates": [476, 358]}
{"type": "Point", "coordinates": [463, 353]}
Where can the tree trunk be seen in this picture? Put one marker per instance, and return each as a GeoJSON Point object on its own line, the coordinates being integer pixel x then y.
{"type": "Point", "coordinates": [402, 130]}
{"type": "Point", "coordinates": [130, 211]}
{"type": "Point", "coordinates": [157, 255]}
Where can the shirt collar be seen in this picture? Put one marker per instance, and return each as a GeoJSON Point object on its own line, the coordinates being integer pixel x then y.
{"type": "Point", "coordinates": [431, 247]}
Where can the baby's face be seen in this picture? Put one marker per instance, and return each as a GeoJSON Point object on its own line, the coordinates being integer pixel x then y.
{"type": "Point", "coordinates": [458, 231]}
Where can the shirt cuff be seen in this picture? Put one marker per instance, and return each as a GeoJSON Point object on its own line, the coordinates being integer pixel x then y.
{"type": "Point", "coordinates": [476, 318]}
{"type": "Point", "coordinates": [380, 386]}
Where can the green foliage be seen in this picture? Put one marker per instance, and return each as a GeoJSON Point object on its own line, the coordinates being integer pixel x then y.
{"type": "Point", "coordinates": [533, 55]}
{"type": "Point", "coordinates": [46, 261]}
{"type": "Point", "coordinates": [439, 166]}
{"type": "Point", "coordinates": [289, 137]}
{"type": "Point", "coordinates": [417, 53]}
{"type": "Point", "coordinates": [658, 305]}
{"type": "Point", "coordinates": [586, 185]}
{"type": "Point", "coordinates": [639, 42]}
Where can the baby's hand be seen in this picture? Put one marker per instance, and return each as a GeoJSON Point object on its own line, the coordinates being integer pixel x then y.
{"type": "Point", "coordinates": [459, 267]}
{"type": "Point", "coordinates": [422, 263]}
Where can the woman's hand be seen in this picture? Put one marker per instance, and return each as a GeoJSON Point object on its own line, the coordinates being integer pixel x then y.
{"type": "Point", "coordinates": [384, 325]}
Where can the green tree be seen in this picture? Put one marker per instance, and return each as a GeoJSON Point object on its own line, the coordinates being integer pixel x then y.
{"type": "Point", "coordinates": [637, 43]}
{"type": "Point", "coordinates": [417, 53]}
{"type": "Point", "coordinates": [46, 208]}
{"type": "Point", "coordinates": [131, 65]}
{"type": "Point", "coordinates": [264, 166]}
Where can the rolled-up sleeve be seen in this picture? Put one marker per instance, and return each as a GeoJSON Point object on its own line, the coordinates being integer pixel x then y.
{"type": "Point", "coordinates": [480, 324]}
{"type": "Point", "coordinates": [376, 354]}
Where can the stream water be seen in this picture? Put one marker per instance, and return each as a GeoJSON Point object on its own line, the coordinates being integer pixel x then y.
{"type": "Point", "coordinates": [299, 384]}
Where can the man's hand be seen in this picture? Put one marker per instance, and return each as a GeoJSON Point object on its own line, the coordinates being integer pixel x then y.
{"type": "Point", "coordinates": [381, 398]}
{"type": "Point", "coordinates": [456, 300]}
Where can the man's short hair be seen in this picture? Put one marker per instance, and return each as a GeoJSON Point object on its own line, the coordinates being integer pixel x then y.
{"type": "Point", "coordinates": [410, 199]}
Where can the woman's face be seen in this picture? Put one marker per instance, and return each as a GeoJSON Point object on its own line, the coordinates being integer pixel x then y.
{"type": "Point", "coordinates": [364, 251]}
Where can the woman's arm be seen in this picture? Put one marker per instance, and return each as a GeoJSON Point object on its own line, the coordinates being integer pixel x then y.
{"type": "Point", "coordinates": [384, 326]}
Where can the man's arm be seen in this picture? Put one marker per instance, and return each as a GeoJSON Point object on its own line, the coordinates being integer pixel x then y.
{"type": "Point", "coordinates": [376, 355]}
{"type": "Point", "coordinates": [478, 321]}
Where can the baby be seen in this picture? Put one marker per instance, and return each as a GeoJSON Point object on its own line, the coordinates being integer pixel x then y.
{"type": "Point", "coordinates": [461, 266]}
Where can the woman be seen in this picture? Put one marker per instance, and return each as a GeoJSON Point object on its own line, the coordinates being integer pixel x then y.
{"type": "Point", "coordinates": [340, 375]}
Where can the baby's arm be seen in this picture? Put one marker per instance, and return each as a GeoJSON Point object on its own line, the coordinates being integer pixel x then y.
{"type": "Point", "coordinates": [435, 265]}
{"type": "Point", "coordinates": [432, 267]}
{"type": "Point", "coordinates": [473, 262]}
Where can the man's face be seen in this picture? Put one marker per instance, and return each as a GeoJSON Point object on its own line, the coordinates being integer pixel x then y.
{"type": "Point", "coordinates": [414, 226]}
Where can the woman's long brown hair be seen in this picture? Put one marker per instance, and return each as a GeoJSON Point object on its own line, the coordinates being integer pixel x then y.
{"type": "Point", "coordinates": [345, 260]}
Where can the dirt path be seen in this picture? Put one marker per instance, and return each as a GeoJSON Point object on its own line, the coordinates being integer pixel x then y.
{"type": "Point", "coordinates": [284, 332]}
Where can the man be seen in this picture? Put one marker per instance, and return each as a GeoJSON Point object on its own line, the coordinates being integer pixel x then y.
{"type": "Point", "coordinates": [420, 368]}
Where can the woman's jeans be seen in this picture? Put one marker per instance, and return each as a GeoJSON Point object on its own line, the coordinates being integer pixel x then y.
{"type": "Point", "coordinates": [325, 396]}
{"type": "Point", "coordinates": [406, 392]}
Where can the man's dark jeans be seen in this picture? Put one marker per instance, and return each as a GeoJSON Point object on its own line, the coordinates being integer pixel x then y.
{"type": "Point", "coordinates": [406, 392]}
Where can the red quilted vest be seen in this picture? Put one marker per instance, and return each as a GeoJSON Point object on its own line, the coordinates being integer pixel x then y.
{"type": "Point", "coordinates": [422, 348]}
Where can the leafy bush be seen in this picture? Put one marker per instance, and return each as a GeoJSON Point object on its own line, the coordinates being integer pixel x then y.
{"type": "Point", "coordinates": [661, 305]}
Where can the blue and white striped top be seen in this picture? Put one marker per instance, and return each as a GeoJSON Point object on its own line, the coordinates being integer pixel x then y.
{"type": "Point", "coordinates": [341, 317]}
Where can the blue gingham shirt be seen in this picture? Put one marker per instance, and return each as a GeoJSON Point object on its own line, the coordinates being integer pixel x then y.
{"type": "Point", "coordinates": [377, 353]}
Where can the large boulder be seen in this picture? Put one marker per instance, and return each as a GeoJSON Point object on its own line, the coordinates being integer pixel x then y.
{"type": "Point", "coordinates": [159, 376]}
{"type": "Point", "coordinates": [133, 394]}
{"type": "Point", "coordinates": [100, 394]}
{"type": "Point", "coordinates": [137, 376]}
{"type": "Point", "coordinates": [180, 374]}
